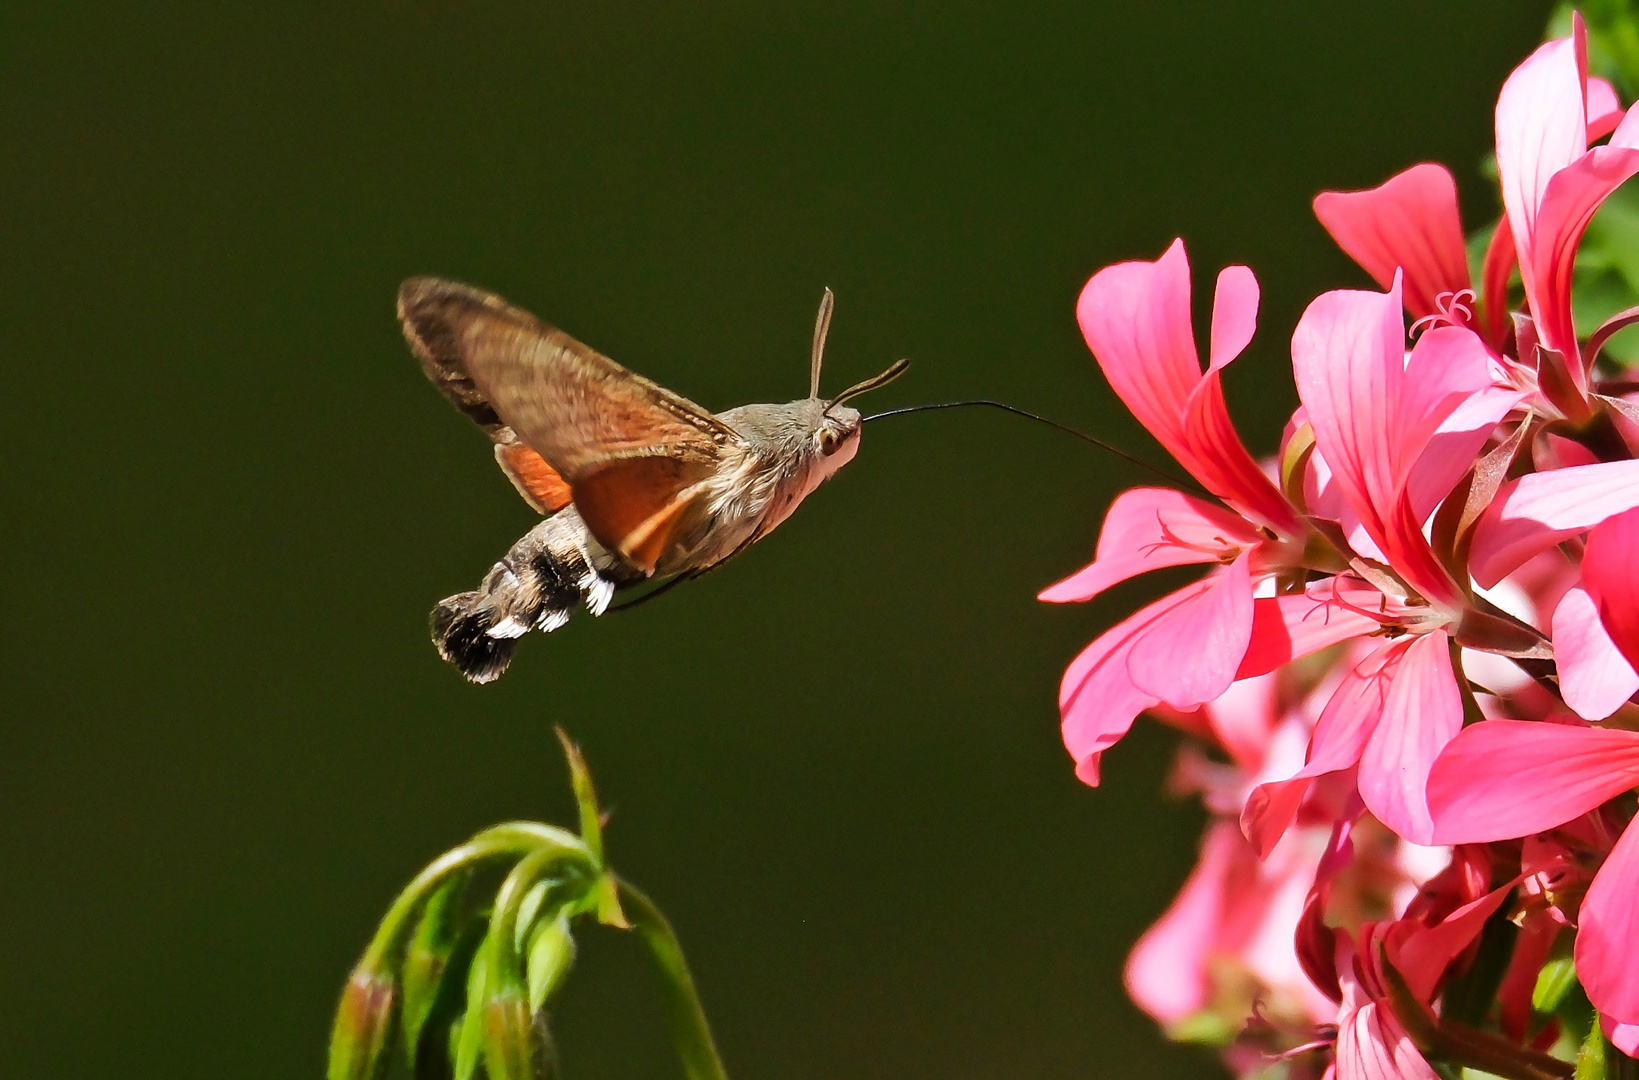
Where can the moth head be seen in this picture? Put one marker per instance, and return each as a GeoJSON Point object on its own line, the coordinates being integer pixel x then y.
{"type": "Point", "coordinates": [836, 437]}
{"type": "Point", "coordinates": [836, 426]}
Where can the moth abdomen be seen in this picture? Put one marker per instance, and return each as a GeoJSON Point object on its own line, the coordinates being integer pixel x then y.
{"type": "Point", "coordinates": [460, 628]}
{"type": "Point", "coordinates": [555, 568]}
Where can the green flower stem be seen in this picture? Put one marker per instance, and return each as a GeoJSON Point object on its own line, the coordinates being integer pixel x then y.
{"type": "Point", "coordinates": [501, 841]}
{"type": "Point", "coordinates": [1470, 1048]}
{"type": "Point", "coordinates": [690, 1033]}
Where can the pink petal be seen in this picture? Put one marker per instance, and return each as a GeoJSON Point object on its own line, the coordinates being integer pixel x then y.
{"type": "Point", "coordinates": [1347, 359]}
{"type": "Point", "coordinates": [1594, 678]}
{"type": "Point", "coordinates": [1234, 314]}
{"type": "Point", "coordinates": [1537, 511]}
{"type": "Point", "coordinates": [1374, 412]}
{"type": "Point", "coordinates": [1604, 109]}
{"type": "Point", "coordinates": [1541, 128]}
{"type": "Point", "coordinates": [1168, 971]}
{"type": "Point", "coordinates": [1607, 940]}
{"type": "Point", "coordinates": [1220, 461]}
{"type": "Point", "coordinates": [1456, 443]}
{"type": "Point", "coordinates": [1502, 779]}
{"type": "Point", "coordinates": [1340, 736]}
{"type": "Point", "coordinates": [1149, 528]}
{"type": "Point", "coordinates": [1372, 1044]}
{"type": "Point", "coordinates": [1625, 1037]}
{"type": "Point", "coordinates": [1569, 201]}
{"type": "Point", "coordinates": [1610, 570]}
{"type": "Point", "coordinates": [1097, 699]}
{"type": "Point", "coordinates": [1423, 954]}
{"type": "Point", "coordinates": [1190, 655]}
{"type": "Point", "coordinates": [1499, 263]}
{"type": "Point", "coordinates": [1422, 712]}
{"type": "Point", "coordinates": [1408, 223]}
{"type": "Point", "coordinates": [1135, 317]}
{"type": "Point", "coordinates": [1286, 628]}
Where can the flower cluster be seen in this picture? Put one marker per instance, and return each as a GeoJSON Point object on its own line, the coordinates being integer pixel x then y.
{"type": "Point", "coordinates": [1413, 654]}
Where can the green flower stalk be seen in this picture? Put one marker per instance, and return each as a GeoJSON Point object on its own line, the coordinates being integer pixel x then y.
{"type": "Point", "coordinates": [467, 979]}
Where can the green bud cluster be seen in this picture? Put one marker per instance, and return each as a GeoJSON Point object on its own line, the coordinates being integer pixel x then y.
{"type": "Point", "coordinates": [458, 981]}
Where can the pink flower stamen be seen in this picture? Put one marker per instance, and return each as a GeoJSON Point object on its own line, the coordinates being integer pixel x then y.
{"type": "Point", "coordinates": [1454, 310]}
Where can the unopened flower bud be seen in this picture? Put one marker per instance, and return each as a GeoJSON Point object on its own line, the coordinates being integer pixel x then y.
{"type": "Point", "coordinates": [509, 1035]}
{"type": "Point", "coordinates": [551, 954]}
{"type": "Point", "coordinates": [364, 1024]}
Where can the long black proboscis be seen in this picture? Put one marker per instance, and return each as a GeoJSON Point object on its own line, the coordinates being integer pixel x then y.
{"type": "Point", "coordinates": [1066, 428]}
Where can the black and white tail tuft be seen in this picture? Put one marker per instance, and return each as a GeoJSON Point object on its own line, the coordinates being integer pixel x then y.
{"type": "Point", "coordinates": [545, 576]}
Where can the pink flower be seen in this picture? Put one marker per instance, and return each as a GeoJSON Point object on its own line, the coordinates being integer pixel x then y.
{"type": "Point", "coordinates": [1552, 183]}
{"type": "Point", "coordinates": [1187, 648]}
{"type": "Point", "coordinates": [1135, 317]}
{"type": "Point", "coordinates": [1502, 779]}
{"type": "Point", "coordinates": [1375, 413]}
{"type": "Point", "coordinates": [1229, 932]}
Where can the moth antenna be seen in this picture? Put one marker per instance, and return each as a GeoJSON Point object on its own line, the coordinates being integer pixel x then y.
{"type": "Point", "coordinates": [1066, 428]}
{"type": "Point", "coordinates": [895, 369]}
{"type": "Point", "coordinates": [822, 326]}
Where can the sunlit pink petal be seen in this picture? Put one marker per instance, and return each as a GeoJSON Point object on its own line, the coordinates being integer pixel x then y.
{"type": "Point", "coordinates": [1285, 628]}
{"type": "Point", "coordinates": [1501, 779]}
{"type": "Point", "coordinates": [1135, 317]}
{"type": "Point", "coordinates": [1219, 459]}
{"type": "Point", "coordinates": [1610, 571]}
{"type": "Point", "coordinates": [1350, 716]}
{"type": "Point", "coordinates": [1500, 258]}
{"type": "Point", "coordinates": [1538, 510]}
{"type": "Point", "coordinates": [1594, 678]}
{"type": "Point", "coordinates": [1604, 108]}
{"type": "Point", "coordinates": [1168, 971]}
{"type": "Point", "coordinates": [1568, 204]}
{"type": "Point", "coordinates": [1541, 128]}
{"type": "Point", "coordinates": [1098, 700]}
{"type": "Point", "coordinates": [1234, 315]}
{"type": "Point", "coordinates": [1374, 411]}
{"type": "Point", "coordinates": [1625, 1037]}
{"type": "Point", "coordinates": [1149, 528]}
{"type": "Point", "coordinates": [1456, 443]}
{"type": "Point", "coordinates": [1607, 940]}
{"type": "Point", "coordinates": [1372, 1044]}
{"type": "Point", "coordinates": [1190, 655]}
{"type": "Point", "coordinates": [1408, 223]}
{"type": "Point", "coordinates": [1422, 954]}
{"type": "Point", "coordinates": [1422, 712]}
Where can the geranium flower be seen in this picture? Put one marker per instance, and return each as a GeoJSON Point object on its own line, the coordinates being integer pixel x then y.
{"type": "Point", "coordinates": [1552, 183]}
{"type": "Point", "coordinates": [1187, 648]}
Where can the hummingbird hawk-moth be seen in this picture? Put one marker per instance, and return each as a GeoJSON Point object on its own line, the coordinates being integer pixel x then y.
{"type": "Point", "coordinates": [636, 482]}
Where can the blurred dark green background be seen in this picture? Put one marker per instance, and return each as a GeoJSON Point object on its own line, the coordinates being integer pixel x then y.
{"type": "Point", "coordinates": [230, 498]}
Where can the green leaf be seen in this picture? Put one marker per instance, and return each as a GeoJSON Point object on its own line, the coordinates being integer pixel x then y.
{"type": "Point", "coordinates": [1468, 998]}
{"type": "Point", "coordinates": [606, 895]}
{"type": "Point", "coordinates": [551, 955]}
{"type": "Point", "coordinates": [528, 910]}
{"type": "Point", "coordinates": [580, 778]}
{"type": "Point", "coordinates": [1555, 982]}
{"type": "Point", "coordinates": [427, 958]}
{"type": "Point", "coordinates": [470, 1048]}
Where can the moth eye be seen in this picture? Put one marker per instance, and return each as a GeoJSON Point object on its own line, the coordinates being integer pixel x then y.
{"type": "Point", "coordinates": [829, 441]}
